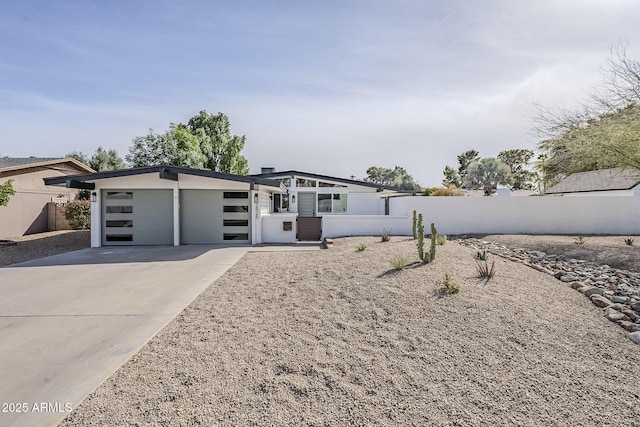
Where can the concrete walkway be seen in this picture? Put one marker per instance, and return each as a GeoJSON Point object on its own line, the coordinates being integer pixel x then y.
{"type": "Point", "coordinates": [67, 322]}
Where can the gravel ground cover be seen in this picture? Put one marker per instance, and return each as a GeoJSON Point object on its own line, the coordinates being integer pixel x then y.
{"type": "Point", "coordinates": [42, 245]}
{"type": "Point", "coordinates": [337, 337]}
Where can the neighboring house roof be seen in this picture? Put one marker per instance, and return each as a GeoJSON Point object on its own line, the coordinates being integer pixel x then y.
{"type": "Point", "coordinates": [86, 181]}
{"type": "Point", "coordinates": [285, 174]}
{"type": "Point", "coordinates": [598, 180]}
{"type": "Point", "coordinates": [19, 163]}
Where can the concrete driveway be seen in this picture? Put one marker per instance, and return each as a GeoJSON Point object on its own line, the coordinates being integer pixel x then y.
{"type": "Point", "coordinates": [67, 322]}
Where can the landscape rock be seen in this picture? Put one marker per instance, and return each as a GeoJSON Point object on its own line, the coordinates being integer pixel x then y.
{"type": "Point", "coordinates": [616, 291]}
{"type": "Point", "coordinates": [635, 337]}
{"type": "Point", "coordinates": [600, 301]}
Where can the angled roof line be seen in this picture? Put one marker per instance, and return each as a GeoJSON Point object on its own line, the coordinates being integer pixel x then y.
{"type": "Point", "coordinates": [597, 180]}
{"type": "Point", "coordinates": [24, 163]}
{"type": "Point", "coordinates": [331, 178]}
{"type": "Point", "coordinates": [164, 171]}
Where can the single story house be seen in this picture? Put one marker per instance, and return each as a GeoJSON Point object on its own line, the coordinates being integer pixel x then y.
{"type": "Point", "coordinates": [603, 182]}
{"type": "Point", "coordinates": [169, 205]}
{"type": "Point", "coordinates": [26, 212]}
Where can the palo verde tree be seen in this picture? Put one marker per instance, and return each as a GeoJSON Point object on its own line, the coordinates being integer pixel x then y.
{"type": "Point", "coordinates": [601, 133]}
{"type": "Point", "coordinates": [486, 174]}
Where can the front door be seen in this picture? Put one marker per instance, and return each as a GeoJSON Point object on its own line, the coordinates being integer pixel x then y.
{"type": "Point", "coordinates": [307, 204]}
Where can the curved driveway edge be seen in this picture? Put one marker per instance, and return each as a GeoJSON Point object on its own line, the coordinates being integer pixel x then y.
{"type": "Point", "coordinates": [67, 322]}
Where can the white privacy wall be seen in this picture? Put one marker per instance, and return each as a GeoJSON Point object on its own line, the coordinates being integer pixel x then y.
{"type": "Point", "coordinates": [525, 215]}
{"type": "Point", "coordinates": [364, 225]}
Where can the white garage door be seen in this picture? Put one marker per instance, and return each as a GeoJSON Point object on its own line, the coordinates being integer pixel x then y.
{"type": "Point", "coordinates": [137, 217]}
{"type": "Point", "coordinates": [214, 217]}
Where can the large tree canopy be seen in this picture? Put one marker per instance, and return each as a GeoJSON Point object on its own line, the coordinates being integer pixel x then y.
{"type": "Point", "coordinates": [603, 132]}
{"type": "Point", "coordinates": [204, 142]}
{"type": "Point", "coordinates": [102, 160]}
{"type": "Point", "coordinates": [518, 161]}
{"type": "Point", "coordinates": [396, 177]}
{"type": "Point", "coordinates": [486, 174]}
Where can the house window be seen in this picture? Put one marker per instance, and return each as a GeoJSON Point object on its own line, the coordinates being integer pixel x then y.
{"type": "Point", "coordinates": [324, 203]}
{"type": "Point", "coordinates": [281, 203]}
{"type": "Point", "coordinates": [119, 195]}
{"type": "Point", "coordinates": [328, 184]}
{"type": "Point", "coordinates": [236, 195]}
{"type": "Point", "coordinates": [119, 209]}
{"type": "Point", "coordinates": [301, 182]}
{"type": "Point", "coordinates": [332, 203]}
{"type": "Point", "coordinates": [235, 236]}
{"type": "Point", "coordinates": [339, 203]}
{"type": "Point", "coordinates": [235, 222]}
{"type": "Point", "coordinates": [227, 208]}
{"type": "Point", "coordinates": [119, 237]}
{"type": "Point", "coordinates": [286, 182]}
{"type": "Point", "coordinates": [119, 223]}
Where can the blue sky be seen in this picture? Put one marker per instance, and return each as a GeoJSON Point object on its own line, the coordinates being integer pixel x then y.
{"type": "Point", "coordinates": [330, 87]}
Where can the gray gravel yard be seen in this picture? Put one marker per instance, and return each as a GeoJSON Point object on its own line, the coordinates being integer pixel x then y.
{"type": "Point", "coordinates": [42, 245]}
{"type": "Point", "coordinates": [337, 337]}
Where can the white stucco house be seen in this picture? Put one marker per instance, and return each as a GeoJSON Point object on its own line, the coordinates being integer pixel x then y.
{"type": "Point", "coordinates": [603, 182]}
{"type": "Point", "coordinates": [169, 205]}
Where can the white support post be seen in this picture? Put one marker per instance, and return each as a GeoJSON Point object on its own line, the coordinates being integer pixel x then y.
{"type": "Point", "coordinates": [176, 215]}
{"type": "Point", "coordinates": [96, 218]}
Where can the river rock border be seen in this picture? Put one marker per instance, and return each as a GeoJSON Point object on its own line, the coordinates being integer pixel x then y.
{"type": "Point", "coordinates": [616, 291]}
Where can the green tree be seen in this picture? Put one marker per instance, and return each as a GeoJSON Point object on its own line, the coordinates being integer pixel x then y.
{"type": "Point", "coordinates": [518, 162]}
{"type": "Point", "coordinates": [486, 174]}
{"type": "Point", "coordinates": [220, 148]}
{"type": "Point", "coordinates": [603, 132]}
{"type": "Point", "coordinates": [205, 142]}
{"type": "Point", "coordinates": [396, 177]}
{"type": "Point", "coordinates": [106, 160]}
{"type": "Point", "coordinates": [6, 191]}
{"type": "Point", "coordinates": [79, 156]}
{"type": "Point", "coordinates": [451, 177]}
{"type": "Point", "coordinates": [464, 160]}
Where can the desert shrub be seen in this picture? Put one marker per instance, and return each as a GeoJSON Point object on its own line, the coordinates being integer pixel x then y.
{"type": "Point", "coordinates": [399, 262]}
{"type": "Point", "coordinates": [629, 241]}
{"type": "Point", "coordinates": [449, 286]}
{"type": "Point", "coordinates": [79, 214]}
{"type": "Point", "coordinates": [450, 190]}
{"type": "Point", "coordinates": [441, 239]}
{"type": "Point", "coordinates": [485, 270]}
{"type": "Point", "coordinates": [482, 256]}
{"type": "Point", "coordinates": [6, 191]}
{"type": "Point", "coordinates": [385, 236]}
{"type": "Point", "coordinates": [361, 247]}
{"type": "Point", "coordinates": [579, 240]}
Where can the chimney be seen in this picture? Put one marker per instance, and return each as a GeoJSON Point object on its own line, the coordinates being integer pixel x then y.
{"type": "Point", "coordinates": [267, 170]}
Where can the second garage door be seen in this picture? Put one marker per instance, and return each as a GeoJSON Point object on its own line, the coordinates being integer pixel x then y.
{"type": "Point", "coordinates": [214, 217]}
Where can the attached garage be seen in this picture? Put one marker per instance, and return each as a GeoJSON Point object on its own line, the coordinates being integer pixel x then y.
{"type": "Point", "coordinates": [214, 217]}
{"type": "Point", "coordinates": [170, 205]}
{"type": "Point", "coordinates": [137, 217]}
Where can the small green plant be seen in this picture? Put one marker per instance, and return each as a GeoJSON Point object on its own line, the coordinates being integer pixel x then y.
{"type": "Point", "coordinates": [485, 271]}
{"type": "Point", "coordinates": [399, 262]}
{"type": "Point", "coordinates": [579, 240]}
{"type": "Point", "coordinates": [449, 286]}
{"type": "Point", "coordinates": [385, 236]}
{"type": "Point", "coordinates": [441, 239]}
{"type": "Point", "coordinates": [361, 247]}
{"type": "Point", "coordinates": [79, 214]}
{"type": "Point", "coordinates": [6, 190]}
{"type": "Point", "coordinates": [482, 256]}
{"type": "Point", "coordinates": [415, 225]}
{"type": "Point", "coordinates": [629, 241]}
